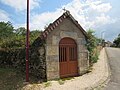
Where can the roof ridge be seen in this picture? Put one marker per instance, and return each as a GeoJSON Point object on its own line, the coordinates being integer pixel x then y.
{"type": "Point", "coordinates": [53, 25]}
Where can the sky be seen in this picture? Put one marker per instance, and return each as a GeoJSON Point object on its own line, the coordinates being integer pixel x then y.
{"type": "Point", "coordinates": [103, 16]}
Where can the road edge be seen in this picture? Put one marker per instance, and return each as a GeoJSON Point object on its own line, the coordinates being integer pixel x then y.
{"type": "Point", "coordinates": [106, 77]}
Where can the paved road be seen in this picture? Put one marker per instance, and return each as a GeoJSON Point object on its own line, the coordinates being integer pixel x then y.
{"type": "Point", "coordinates": [114, 62]}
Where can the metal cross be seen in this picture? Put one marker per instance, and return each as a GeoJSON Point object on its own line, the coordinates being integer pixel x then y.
{"type": "Point", "coordinates": [64, 9]}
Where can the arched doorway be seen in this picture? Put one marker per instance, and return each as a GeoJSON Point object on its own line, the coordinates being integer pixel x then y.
{"type": "Point", "coordinates": [68, 62]}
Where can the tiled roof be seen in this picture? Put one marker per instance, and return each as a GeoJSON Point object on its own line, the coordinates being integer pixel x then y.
{"type": "Point", "coordinates": [53, 25]}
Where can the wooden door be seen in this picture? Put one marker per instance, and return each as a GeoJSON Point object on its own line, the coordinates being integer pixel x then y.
{"type": "Point", "coordinates": [68, 58]}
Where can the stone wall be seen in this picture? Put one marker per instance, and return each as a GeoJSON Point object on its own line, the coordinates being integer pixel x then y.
{"type": "Point", "coordinates": [65, 29]}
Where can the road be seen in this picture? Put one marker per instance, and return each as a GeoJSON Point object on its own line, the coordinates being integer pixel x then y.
{"type": "Point", "coordinates": [114, 63]}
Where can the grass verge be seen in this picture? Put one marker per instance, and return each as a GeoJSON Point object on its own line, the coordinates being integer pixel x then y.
{"type": "Point", "coordinates": [11, 79]}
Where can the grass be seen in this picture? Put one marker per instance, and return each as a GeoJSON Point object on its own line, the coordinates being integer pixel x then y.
{"type": "Point", "coordinates": [68, 78]}
{"type": "Point", "coordinates": [10, 79]}
{"type": "Point", "coordinates": [47, 84]}
{"type": "Point", "coordinates": [62, 81]}
{"type": "Point", "coordinates": [90, 69]}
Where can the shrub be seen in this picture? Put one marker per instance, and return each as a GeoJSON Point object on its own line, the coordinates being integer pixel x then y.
{"type": "Point", "coordinates": [92, 46]}
{"type": "Point", "coordinates": [15, 58]}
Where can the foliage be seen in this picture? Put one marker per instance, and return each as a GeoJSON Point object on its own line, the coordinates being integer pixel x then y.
{"type": "Point", "coordinates": [117, 41]}
{"type": "Point", "coordinates": [34, 35]}
{"type": "Point", "coordinates": [6, 32]}
{"type": "Point", "coordinates": [15, 38]}
{"type": "Point", "coordinates": [15, 58]}
{"type": "Point", "coordinates": [91, 46]}
{"type": "Point", "coordinates": [61, 82]}
{"type": "Point", "coordinates": [12, 50]}
{"type": "Point", "coordinates": [47, 84]}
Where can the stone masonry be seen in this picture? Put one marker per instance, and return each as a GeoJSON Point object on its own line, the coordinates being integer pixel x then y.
{"type": "Point", "coordinates": [65, 29]}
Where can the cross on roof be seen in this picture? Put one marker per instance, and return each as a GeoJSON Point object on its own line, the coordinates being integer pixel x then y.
{"type": "Point", "coordinates": [65, 10]}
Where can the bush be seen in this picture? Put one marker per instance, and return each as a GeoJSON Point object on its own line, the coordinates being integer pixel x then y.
{"type": "Point", "coordinates": [94, 58]}
{"type": "Point", "coordinates": [92, 46]}
{"type": "Point", "coordinates": [15, 58]}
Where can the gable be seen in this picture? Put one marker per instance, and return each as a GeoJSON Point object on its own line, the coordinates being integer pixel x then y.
{"type": "Point", "coordinates": [65, 29]}
{"type": "Point", "coordinates": [68, 26]}
{"type": "Point", "coordinates": [64, 22]}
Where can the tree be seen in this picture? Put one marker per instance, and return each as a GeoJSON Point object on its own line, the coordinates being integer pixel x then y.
{"type": "Point", "coordinates": [18, 40]}
{"type": "Point", "coordinates": [6, 32]}
{"type": "Point", "coordinates": [117, 41]}
{"type": "Point", "coordinates": [20, 31]}
{"type": "Point", "coordinates": [91, 46]}
{"type": "Point", "coordinates": [15, 38]}
{"type": "Point", "coordinates": [34, 35]}
{"type": "Point", "coordinates": [6, 29]}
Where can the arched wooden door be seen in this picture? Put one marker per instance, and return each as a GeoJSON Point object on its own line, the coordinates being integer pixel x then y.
{"type": "Point", "coordinates": [68, 62]}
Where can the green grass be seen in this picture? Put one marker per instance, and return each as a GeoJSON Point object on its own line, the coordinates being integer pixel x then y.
{"type": "Point", "coordinates": [68, 78]}
{"type": "Point", "coordinates": [62, 81]}
{"type": "Point", "coordinates": [47, 84]}
{"type": "Point", "coordinates": [10, 79]}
